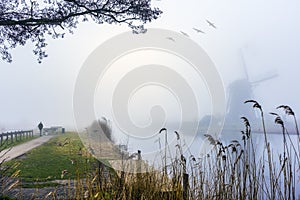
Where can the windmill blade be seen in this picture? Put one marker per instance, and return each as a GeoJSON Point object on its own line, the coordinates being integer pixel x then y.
{"type": "Point", "coordinates": [269, 77]}
{"type": "Point", "coordinates": [271, 74]}
{"type": "Point", "coordinates": [244, 64]}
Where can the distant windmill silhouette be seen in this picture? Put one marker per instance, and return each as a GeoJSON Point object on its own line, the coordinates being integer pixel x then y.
{"type": "Point", "coordinates": [239, 91]}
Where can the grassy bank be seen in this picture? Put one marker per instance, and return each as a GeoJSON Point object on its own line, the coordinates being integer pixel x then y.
{"type": "Point", "coordinates": [62, 157]}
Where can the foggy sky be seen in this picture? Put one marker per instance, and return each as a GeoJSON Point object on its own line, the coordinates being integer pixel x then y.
{"type": "Point", "coordinates": [267, 32]}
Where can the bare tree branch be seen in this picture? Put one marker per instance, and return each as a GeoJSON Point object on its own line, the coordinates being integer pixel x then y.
{"type": "Point", "coordinates": [21, 21]}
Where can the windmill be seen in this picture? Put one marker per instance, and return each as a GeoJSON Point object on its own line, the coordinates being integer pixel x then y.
{"type": "Point", "coordinates": [239, 91]}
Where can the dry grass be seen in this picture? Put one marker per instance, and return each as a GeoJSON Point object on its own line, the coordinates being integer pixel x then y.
{"type": "Point", "coordinates": [230, 171]}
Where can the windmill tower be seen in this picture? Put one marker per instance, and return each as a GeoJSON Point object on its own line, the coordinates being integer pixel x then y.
{"type": "Point", "coordinates": [238, 92]}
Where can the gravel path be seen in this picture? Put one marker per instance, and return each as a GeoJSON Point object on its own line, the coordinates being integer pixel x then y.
{"type": "Point", "coordinates": [21, 149]}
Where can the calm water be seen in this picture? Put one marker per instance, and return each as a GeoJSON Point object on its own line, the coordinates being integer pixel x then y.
{"type": "Point", "coordinates": [153, 148]}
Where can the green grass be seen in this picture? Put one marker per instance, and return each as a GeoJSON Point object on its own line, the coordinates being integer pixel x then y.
{"type": "Point", "coordinates": [47, 161]}
{"type": "Point", "coordinates": [40, 185]}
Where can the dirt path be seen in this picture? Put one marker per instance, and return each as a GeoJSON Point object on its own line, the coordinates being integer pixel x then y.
{"type": "Point", "coordinates": [21, 149]}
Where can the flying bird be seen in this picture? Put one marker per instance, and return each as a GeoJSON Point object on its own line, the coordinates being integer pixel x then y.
{"type": "Point", "coordinates": [185, 34]}
{"type": "Point", "coordinates": [170, 38]}
{"type": "Point", "coordinates": [199, 31]}
{"type": "Point", "coordinates": [211, 24]}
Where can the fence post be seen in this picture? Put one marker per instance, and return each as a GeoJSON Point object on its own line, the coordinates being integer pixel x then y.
{"type": "Point", "coordinates": [14, 136]}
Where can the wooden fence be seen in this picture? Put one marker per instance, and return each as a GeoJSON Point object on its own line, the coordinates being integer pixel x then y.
{"type": "Point", "coordinates": [10, 137]}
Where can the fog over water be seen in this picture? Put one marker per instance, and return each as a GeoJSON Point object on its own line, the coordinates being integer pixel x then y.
{"type": "Point", "coordinates": [254, 48]}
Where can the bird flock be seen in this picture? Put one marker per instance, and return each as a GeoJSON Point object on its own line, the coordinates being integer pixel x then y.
{"type": "Point", "coordinates": [199, 30]}
{"type": "Point", "coordinates": [211, 24]}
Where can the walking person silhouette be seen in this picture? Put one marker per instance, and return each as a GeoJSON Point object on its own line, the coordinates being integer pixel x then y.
{"type": "Point", "coordinates": [40, 126]}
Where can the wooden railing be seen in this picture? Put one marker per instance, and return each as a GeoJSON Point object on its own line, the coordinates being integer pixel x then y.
{"type": "Point", "coordinates": [14, 136]}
